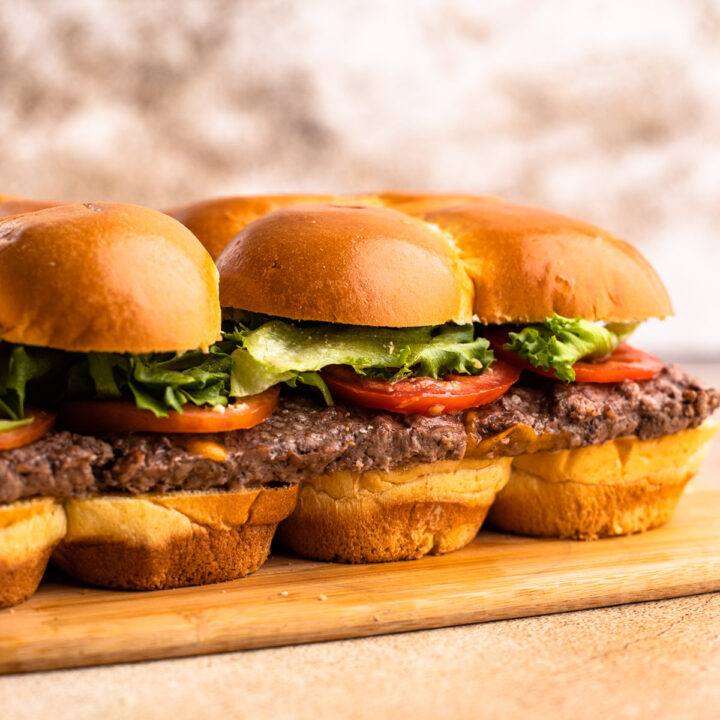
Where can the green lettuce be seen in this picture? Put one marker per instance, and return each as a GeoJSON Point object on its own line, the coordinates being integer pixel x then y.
{"type": "Point", "coordinates": [21, 367]}
{"type": "Point", "coordinates": [249, 359]}
{"type": "Point", "coordinates": [250, 376]}
{"type": "Point", "coordinates": [158, 382]}
{"type": "Point", "coordinates": [12, 424]}
{"type": "Point", "coordinates": [559, 342]}
{"type": "Point", "coordinates": [279, 351]}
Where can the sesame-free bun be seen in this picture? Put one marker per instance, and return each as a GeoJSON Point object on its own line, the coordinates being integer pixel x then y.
{"type": "Point", "coordinates": [622, 487]}
{"type": "Point", "coordinates": [105, 277]}
{"type": "Point", "coordinates": [216, 222]}
{"type": "Point", "coordinates": [150, 542]}
{"type": "Point", "coordinates": [403, 514]}
{"type": "Point", "coordinates": [353, 264]}
{"type": "Point", "coordinates": [29, 531]}
{"type": "Point", "coordinates": [527, 264]}
{"type": "Point", "coordinates": [414, 203]}
{"type": "Point", "coordinates": [402, 259]}
{"type": "Point", "coordinates": [11, 205]}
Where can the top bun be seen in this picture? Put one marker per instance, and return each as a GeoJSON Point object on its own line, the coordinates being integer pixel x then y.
{"type": "Point", "coordinates": [11, 205]}
{"type": "Point", "coordinates": [370, 265]}
{"type": "Point", "coordinates": [105, 277]}
{"type": "Point", "coordinates": [354, 264]}
{"type": "Point", "coordinates": [216, 222]}
{"type": "Point", "coordinates": [419, 204]}
{"type": "Point", "coordinates": [527, 264]}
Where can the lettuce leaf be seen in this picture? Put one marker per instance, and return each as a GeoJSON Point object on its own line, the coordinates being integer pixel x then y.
{"type": "Point", "coordinates": [158, 382]}
{"type": "Point", "coordinates": [20, 366]}
{"type": "Point", "coordinates": [279, 351]}
{"type": "Point", "coordinates": [12, 424]}
{"type": "Point", "coordinates": [249, 359]}
{"type": "Point", "coordinates": [559, 342]}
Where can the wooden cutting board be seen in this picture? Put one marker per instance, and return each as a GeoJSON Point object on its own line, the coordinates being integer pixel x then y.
{"type": "Point", "coordinates": [295, 601]}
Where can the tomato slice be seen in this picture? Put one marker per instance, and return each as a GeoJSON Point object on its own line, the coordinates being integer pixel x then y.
{"type": "Point", "coordinates": [107, 416]}
{"type": "Point", "coordinates": [42, 423]}
{"type": "Point", "coordinates": [624, 363]}
{"type": "Point", "coordinates": [422, 395]}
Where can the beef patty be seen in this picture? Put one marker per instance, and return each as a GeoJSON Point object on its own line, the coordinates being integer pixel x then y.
{"type": "Point", "coordinates": [302, 439]}
{"type": "Point", "coordinates": [59, 464]}
{"type": "Point", "coordinates": [299, 440]}
{"type": "Point", "coordinates": [570, 415]}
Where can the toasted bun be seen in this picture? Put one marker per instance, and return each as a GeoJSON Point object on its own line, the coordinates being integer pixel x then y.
{"type": "Point", "coordinates": [527, 264]}
{"type": "Point", "coordinates": [622, 487]}
{"type": "Point", "coordinates": [29, 530]}
{"type": "Point", "coordinates": [151, 542]}
{"type": "Point", "coordinates": [216, 222]}
{"type": "Point", "coordinates": [419, 204]}
{"type": "Point", "coordinates": [384, 516]}
{"type": "Point", "coordinates": [363, 261]}
{"type": "Point", "coordinates": [107, 278]}
{"type": "Point", "coordinates": [11, 205]}
{"type": "Point", "coordinates": [359, 265]}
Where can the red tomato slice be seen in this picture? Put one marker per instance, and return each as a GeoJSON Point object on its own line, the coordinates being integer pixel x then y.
{"type": "Point", "coordinates": [422, 395]}
{"type": "Point", "coordinates": [42, 423]}
{"type": "Point", "coordinates": [107, 416]}
{"type": "Point", "coordinates": [624, 363]}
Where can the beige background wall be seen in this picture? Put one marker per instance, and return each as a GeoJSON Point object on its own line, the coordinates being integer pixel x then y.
{"type": "Point", "coordinates": [608, 110]}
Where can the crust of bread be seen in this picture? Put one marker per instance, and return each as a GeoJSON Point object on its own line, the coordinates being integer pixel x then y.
{"type": "Point", "coordinates": [29, 531]}
{"type": "Point", "coordinates": [622, 487]}
{"type": "Point", "coordinates": [524, 263]}
{"type": "Point", "coordinates": [216, 222]}
{"type": "Point", "coordinates": [401, 515]}
{"type": "Point", "coordinates": [105, 277]}
{"type": "Point", "coordinates": [11, 205]}
{"type": "Point", "coordinates": [420, 204]}
{"type": "Point", "coordinates": [151, 542]}
{"type": "Point", "coordinates": [527, 263]}
{"type": "Point", "coordinates": [354, 264]}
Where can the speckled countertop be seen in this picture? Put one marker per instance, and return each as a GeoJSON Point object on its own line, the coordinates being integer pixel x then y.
{"type": "Point", "coordinates": [658, 660]}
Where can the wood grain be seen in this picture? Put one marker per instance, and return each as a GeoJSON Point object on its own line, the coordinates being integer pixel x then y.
{"type": "Point", "coordinates": [293, 601]}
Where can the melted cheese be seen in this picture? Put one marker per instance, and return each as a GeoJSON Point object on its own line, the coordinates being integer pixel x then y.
{"type": "Point", "coordinates": [207, 449]}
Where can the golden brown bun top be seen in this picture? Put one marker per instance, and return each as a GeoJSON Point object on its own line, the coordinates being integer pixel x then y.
{"type": "Point", "coordinates": [524, 263]}
{"type": "Point", "coordinates": [11, 205]}
{"type": "Point", "coordinates": [105, 277]}
{"type": "Point", "coordinates": [527, 263]}
{"type": "Point", "coordinates": [375, 266]}
{"type": "Point", "coordinates": [420, 203]}
{"type": "Point", "coordinates": [360, 265]}
{"type": "Point", "coordinates": [216, 222]}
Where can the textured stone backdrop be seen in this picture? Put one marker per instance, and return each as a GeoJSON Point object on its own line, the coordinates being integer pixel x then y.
{"type": "Point", "coordinates": [608, 110]}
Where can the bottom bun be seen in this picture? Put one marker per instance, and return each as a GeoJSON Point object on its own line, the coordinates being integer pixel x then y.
{"type": "Point", "coordinates": [622, 487]}
{"type": "Point", "coordinates": [150, 542]}
{"type": "Point", "coordinates": [29, 531]}
{"type": "Point", "coordinates": [383, 516]}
